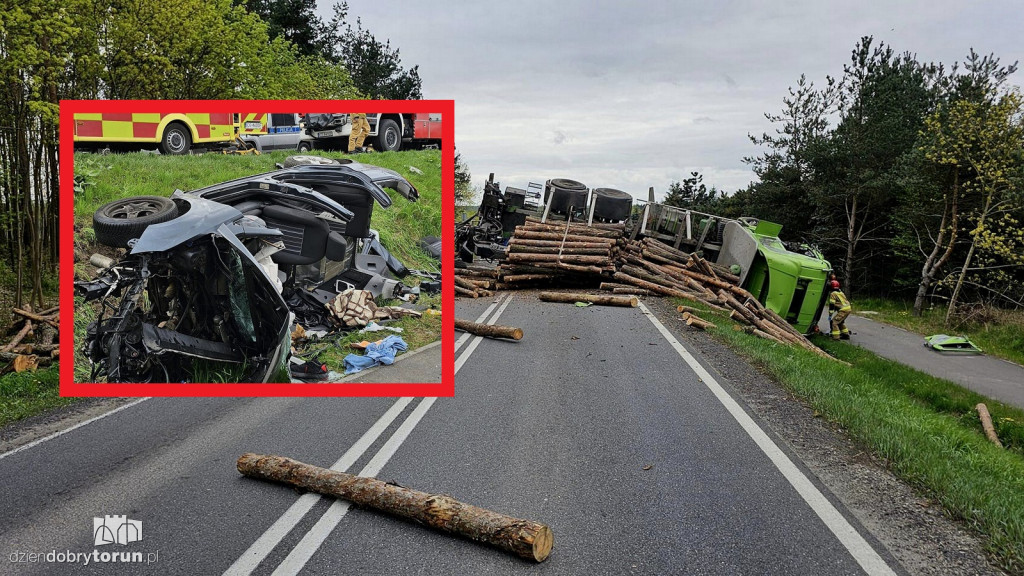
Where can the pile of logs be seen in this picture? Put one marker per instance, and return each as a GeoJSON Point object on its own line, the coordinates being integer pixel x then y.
{"type": "Point", "coordinates": [20, 353]}
{"type": "Point", "coordinates": [475, 281]}
{"type": "Point", "coordinates": [563, 254]}
{"type": "Point", "coordinates": [558, 253]}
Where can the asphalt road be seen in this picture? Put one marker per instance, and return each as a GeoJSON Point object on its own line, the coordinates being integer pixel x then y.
{"type": "Point", "coordinates": [594, 424]}
{"type": "Point", "coordinates": [986, 375]}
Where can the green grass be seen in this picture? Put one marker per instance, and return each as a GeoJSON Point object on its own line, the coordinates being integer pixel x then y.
{"type": "Point", "coordinates": [25, 394]}
{"type": "Point", "coordinates": [140, 174]}
{"type": "Point", "coordinates": [998, 332]}
{"type": "Point", "coordinates": [923, 427]}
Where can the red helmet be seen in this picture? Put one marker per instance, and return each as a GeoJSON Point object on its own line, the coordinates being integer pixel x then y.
{"type": "Point", "coordinates": [834, 284]}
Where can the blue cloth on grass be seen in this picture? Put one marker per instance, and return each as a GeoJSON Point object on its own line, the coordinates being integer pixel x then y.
{"type": "Point", "coordinates": [376, 354]}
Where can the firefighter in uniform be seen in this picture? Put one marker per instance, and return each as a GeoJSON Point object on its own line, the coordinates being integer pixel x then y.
{"type": "Point", "coordinates": [839, 308]}
{"type": "Point", "coordinates": [360, 130]}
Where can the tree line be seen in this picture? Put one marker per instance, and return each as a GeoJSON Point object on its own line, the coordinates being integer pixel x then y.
{"type": "Point", "coordinates": [53, 50]}
{"type": "Point", "coordinates": [908, 175]}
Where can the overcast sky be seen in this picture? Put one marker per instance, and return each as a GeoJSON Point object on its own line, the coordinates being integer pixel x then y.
{"type": "Point", "coordinates": [639, 95]}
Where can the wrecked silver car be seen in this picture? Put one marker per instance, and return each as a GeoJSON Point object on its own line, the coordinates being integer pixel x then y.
{"type": "Point", "coordinates": [221, 273]}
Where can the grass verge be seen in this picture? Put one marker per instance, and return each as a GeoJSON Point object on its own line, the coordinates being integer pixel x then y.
{"type": "Point", "coordinates": [923, 427]}
{"type": "Point", "coordinates": [25, 394]}
{"type": "Point", "coordinates": [998, 332]}
{"type": "Point", "coordinates": [109, 177]}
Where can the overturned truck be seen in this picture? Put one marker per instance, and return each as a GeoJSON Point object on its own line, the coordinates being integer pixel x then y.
{"type": "Point", "coordinates": [787, 278]}
{"type": "Point", "coordinates": [219, 274]}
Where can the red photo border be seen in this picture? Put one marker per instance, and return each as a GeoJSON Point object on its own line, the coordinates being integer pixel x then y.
{"type": "Point", "coordinates": [68, 387]}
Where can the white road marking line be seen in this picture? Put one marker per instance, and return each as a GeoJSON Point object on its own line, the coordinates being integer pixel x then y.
{"type": "Point", "coordinates": [75, 427]}
{"type": "Point", "coordinates": [259, 549]}
{"type": "Point", "coordinates": [476, 341]}
{"type": "Point", "coordinates": [858, 547]}
{"type": "Point", "coordinates": [466, 336]}
{"type": "Point", "coordinates": [311, 542]}
{"type": "Point", "coordinates": [318, 534]}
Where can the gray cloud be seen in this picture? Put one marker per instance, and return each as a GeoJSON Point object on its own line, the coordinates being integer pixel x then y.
{"type": "Point", "coordinates": [639, 95]}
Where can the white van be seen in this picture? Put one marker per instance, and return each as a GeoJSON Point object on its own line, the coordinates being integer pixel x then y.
{"type": "Point", "coordinates": [284, 132]}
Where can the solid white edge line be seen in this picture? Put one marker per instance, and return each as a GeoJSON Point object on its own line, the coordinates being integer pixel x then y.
{"type": "Point", "coordinates": [75, 427]}
{"type": "Point", "coordinates": [267, 541]}
{"type": "Point", "coordinates": [314, 539]}
{"type": "Point", "coordinates": [862, 552]}
{"type": "Point", "coordinates": [461, 360]}
{"type": "Point", "coordinates": [466, 336]}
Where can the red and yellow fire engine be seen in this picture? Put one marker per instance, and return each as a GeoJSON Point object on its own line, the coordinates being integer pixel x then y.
{"type": "Point", "coordinates": [174, 133]}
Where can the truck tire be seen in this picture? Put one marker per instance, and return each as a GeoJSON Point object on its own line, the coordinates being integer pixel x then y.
{"type": "Point", "coordinates": [305, 146]}
{"type": "Point", "coordinates": [612, 205]}
{"type": "Point", "coordinates": [565, 193]}
{"type": "Point", "coordinates": [176, 140]}
{"type": "Point", "coordinates": [117, 222]}
{"type": "Point", "coordinates": [389, 137]}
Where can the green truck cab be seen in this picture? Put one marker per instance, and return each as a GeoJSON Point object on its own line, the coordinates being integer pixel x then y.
{"type": "Point", "coordinates": [792, 283]}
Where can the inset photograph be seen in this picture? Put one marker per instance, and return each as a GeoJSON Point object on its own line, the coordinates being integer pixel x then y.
{"type": "Point", "coordinates": [221, 247]}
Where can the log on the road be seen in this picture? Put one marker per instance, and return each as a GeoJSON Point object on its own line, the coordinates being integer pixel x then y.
{"type": "Point", "coordinates": [986, 424]}
{"type": "Point", "coordinates": [601, 299]}
{"type": "Point", "coordinates": [465, 292]}
{"type": "Point", "coordinates": [527, 539]}
{"type": "Point", "coordinates": [489, 330]}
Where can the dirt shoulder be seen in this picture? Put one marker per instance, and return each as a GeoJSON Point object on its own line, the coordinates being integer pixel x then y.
{"type": "Point", "coordinates": [914, 529]}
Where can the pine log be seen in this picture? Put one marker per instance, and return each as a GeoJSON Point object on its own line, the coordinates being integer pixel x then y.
{"type": "Point", "coordinates": [524, 538]}
{"type": "Point", "coordinates": [696, 321]}
{"type": "Point", "coordinates": [464, 292]}
{"type": "Point", "coordinates": [468, 285]}
{"type": "Point", "coordinates": [606, 243]}
{"type": "Point", "coordinates": [986, 424]}
{"type": "Point", "coordinates": [631, 290]}
{"type": "Point", "coordinates": [658, 288]}
{"type": "Point", "coordinates": [25, 331]}
{"type": "Point", "coordinates": [489, 330]}
{"type": "Point", "coordinates": [476, 272]}
{"type": "Point", "coordinates": [685, 309]}
{"type": "Point", "coordinates": [577, 229]}
{"type": "Point", "coordinates": [601, 299]}
{"type": "Point", "coordinates": [531, 235]}
{"type": "Point", "coordinates": [668, 282]}
{"type": "Point", "coordinates": [736, 316]}
{"type": "Point", "coordinates": [485, 284]}
{"type": "Point", "coordinates": [612, 285]}
{"type": "Point", "coordinates": [766, 336]}
{"type": "Point", "coordinates": [533, 257]}
{"type": "Point", "coordinates": [593, 251]}
{"type": "Point", "coordinates": [51, 320]}
{"type": "Point", "coordinates": [512, 278]}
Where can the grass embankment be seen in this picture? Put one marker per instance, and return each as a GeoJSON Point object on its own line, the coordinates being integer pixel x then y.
{"type": "Point", "coordinates": [924, 428]}
{"type": "Point", "coordinates": [401, 226]}
{"type": "Point", "coordinates": [998, 332]}
{"type": "Point", "coordinates": [26, 394]}
{"type": "Point", "coordinates": [140, 174]}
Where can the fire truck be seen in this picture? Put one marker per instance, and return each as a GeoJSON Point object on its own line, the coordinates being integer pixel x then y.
{"type": "Point", "coordinates": [173, 133]}
{"type": "Point", "coordinates": [388, 132]}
